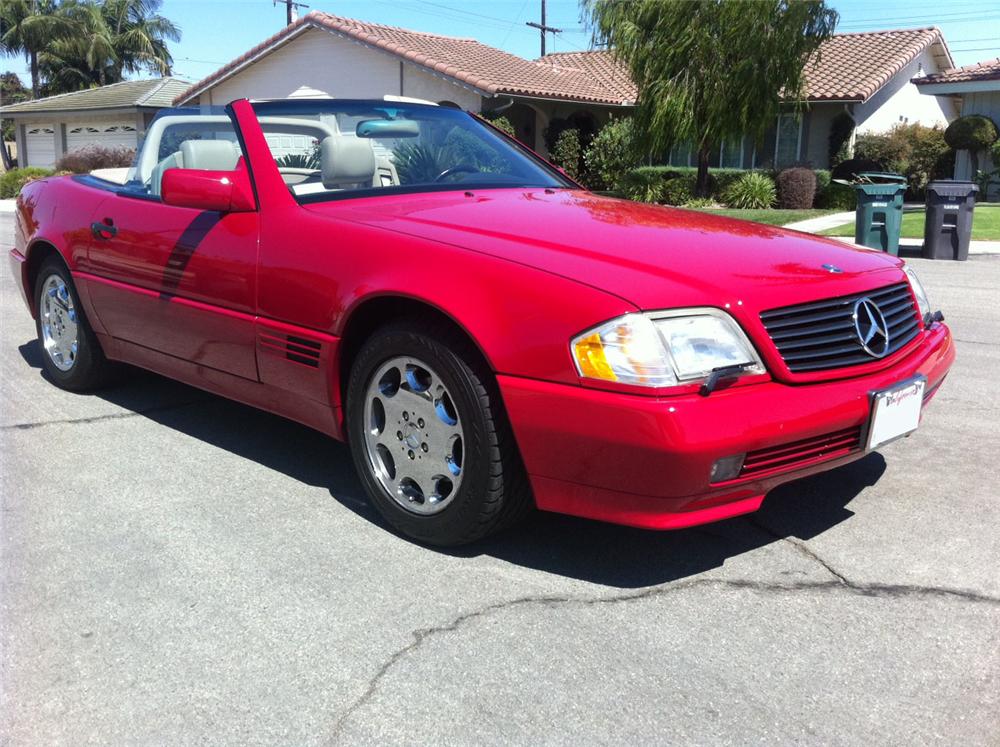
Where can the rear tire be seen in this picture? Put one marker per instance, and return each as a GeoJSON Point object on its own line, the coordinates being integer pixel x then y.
{"type": "Point", "coordinates": [430, 437]}
{"type": "Point", "coordinates": [71, 353]}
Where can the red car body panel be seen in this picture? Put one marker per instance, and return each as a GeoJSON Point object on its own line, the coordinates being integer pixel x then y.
{"type": "Point", "coordinates": [253, 305]}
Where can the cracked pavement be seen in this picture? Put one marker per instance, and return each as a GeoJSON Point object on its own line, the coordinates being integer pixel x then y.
{"type": "Point", "coordinates": [180, 569]}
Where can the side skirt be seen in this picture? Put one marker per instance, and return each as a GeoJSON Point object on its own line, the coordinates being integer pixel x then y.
{"type": "Point", "coordinates": [324, 418]}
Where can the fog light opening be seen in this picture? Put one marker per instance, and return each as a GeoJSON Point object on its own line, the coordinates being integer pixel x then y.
{"type": "Point", "coordinates": [727, 468]}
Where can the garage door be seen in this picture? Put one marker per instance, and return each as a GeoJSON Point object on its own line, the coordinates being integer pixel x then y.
{"type": "Point", "coordinates": [114, 135]}
{"type": "Point", "coordinates": [41, 142]}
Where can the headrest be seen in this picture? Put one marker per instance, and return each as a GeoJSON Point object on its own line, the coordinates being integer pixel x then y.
{"type": "Point", "coordinates": [209, 155]}
{"type": "Point", "coordinates": [346, 160]}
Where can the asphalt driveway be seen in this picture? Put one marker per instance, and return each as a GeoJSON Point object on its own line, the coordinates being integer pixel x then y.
{"type": "Point", "coordinates": [180, 569]}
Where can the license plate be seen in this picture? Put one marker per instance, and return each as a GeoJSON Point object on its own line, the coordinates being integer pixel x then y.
{"type": "Point", "coordinates": [896, 412]}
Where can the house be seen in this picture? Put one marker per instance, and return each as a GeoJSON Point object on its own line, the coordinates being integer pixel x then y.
{"type": "Point", "coordinates": [113, 115]}
{"type": "Point", "coordinates": [864, 77]}
{"type": "Point", "coordinates": [346, 58]}
{"type": "Point", "coordinates": [976, 88]}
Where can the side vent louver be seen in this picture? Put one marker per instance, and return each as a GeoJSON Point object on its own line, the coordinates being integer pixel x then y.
{"type": "Point", "coordinates": [297, 349]}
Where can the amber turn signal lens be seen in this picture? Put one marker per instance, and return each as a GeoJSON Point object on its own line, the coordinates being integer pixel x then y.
{"type": "Point", "coordinates": [590, 357]}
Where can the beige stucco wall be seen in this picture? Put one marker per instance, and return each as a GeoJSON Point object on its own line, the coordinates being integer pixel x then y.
{"type": "Point", "coordinates": [339, 67]}
{"type": "Point", "coordinates": [900, 102]}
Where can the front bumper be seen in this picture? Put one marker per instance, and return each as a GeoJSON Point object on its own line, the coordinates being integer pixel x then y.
{"type": "Point", "coordinates": [645, 461]}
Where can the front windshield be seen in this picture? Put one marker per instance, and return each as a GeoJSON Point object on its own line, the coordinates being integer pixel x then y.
{"type": "Point", "coordinates": [330, 149]}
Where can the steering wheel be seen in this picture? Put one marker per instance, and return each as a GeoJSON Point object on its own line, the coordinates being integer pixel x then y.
{"type": "Point", "coordinates": [456, 169]}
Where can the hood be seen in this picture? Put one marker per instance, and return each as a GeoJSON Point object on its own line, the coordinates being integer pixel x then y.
{"type": "Point", "coordinates": [651, 256]}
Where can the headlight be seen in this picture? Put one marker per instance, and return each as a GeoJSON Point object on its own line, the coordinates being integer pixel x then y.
{"type": "Point", "coordinates": [663, 348]}
{"type": "Point", "coordinates": [923, 305]}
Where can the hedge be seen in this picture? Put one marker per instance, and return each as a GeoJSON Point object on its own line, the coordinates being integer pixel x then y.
{"type": "Point", "coordinates": [648, 182]}
{"type": "Point", "coordinates": [13, 180]}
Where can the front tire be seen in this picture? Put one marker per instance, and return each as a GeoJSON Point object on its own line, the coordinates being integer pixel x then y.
{"type": "Point", "coordinates": [430, 438]}
{"type": "Point", "coordinates": [71, 354]}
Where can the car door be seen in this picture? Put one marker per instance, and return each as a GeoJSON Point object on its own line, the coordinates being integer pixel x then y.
{"type": "Point", "coordinates": [178, 280]}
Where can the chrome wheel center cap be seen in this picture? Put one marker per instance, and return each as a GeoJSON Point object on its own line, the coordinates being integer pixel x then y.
{"type": "Point", "coordinates": [411, 435]}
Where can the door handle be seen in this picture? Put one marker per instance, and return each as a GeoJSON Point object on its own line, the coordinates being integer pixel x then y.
{"type": "Point", "coordinates": [103, 230]}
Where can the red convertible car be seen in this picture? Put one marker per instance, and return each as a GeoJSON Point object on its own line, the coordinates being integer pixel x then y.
{"type": "Point", "coordinates": [485, 334]}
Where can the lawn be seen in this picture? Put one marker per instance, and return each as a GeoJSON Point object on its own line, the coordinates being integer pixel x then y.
{"type": "Point", "coordinates": [770, 217]}
{"type": "Point", "coordinates": [985, 225]}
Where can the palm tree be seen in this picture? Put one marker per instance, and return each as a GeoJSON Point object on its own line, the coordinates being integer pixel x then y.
{"type": "Point", "coordinates": [139, 35]}
{"type": "Point", "coordinates": [29, 27]}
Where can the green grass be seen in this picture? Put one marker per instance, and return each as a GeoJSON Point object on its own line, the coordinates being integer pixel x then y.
{"type": "Point", "coordinates": [985, 225]}
{"type": "Point", "coordinates": [770, 217]}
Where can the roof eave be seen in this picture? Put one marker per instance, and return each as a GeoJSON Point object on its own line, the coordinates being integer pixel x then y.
{"type": "Point", "coordinates": [944, 88]}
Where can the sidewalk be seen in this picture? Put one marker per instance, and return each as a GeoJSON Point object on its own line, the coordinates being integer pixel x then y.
{"type": "Point", "coordinates": [6, 206]}
{"type": "Point", "coordinates": [913, 246]}
{"type": "Point", "coordinates": [815, 225]}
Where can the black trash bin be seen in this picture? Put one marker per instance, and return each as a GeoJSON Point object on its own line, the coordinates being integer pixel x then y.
{"type": "Point", "coordinates": [948, 225]}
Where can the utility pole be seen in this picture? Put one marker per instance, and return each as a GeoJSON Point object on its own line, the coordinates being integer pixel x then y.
{"type": "Point", "coordinates": [291, 9]}
{"type": "Point", "coordinates": [543, 28]}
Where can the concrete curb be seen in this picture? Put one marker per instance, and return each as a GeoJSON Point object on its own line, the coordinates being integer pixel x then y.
{"type": "Point", "coordinates": [7, 206]}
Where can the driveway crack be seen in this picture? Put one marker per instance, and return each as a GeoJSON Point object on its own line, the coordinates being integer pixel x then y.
{"type": "Point", "coordinates": [803, 549]}
{"type": "Point", "coordinates": [839, 584]}
{"type": "Point", "coordinates": [101, 418]}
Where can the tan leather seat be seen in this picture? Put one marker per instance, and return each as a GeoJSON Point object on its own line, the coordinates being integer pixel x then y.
{"type": "Point", "coordinates": [347, 163]}
{"type": "Point", "coordinates": [207, 155]}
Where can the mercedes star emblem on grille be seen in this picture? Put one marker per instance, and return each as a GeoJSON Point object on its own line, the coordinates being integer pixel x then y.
{"type": "Point", "coordinates": [870, 326]}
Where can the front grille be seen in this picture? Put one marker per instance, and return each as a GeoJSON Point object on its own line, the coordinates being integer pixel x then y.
{"type": "Point", "coordinates": [820, 335]}
{"type": "Point", "coordinates": [800, 453]}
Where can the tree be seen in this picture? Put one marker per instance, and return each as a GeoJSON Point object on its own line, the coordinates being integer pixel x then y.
{"type": "Point", "coordinates": [12, 91]}
{"type": "Point", "coordinates": [29, 27]}
{"type": "Point", "coordinates": [713, 70]}
{"type": "Point", "coordinates": [112, 38]}
{"type": "Point", "coordinates": [973, 133]}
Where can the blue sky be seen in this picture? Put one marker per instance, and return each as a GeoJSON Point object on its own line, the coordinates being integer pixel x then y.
{"type": "Point", "coordinates": [216, 31]}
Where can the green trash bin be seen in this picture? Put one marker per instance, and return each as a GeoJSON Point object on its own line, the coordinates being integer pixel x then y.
{"type": "Point", "coordinates": [879, 215]}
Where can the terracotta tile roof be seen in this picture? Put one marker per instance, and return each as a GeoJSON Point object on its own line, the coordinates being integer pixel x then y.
{"type": "Point", "coordinates": [847, 67]}
{"type": "Point", "coordinates": [487, 69]}
{"type": "Point", "coordinates": [154, 93]}
{"type": "Point", "coordinates": [853, 67]}
{"type": "Point", "coordinates": [988, 70]}
{"type": "Point", "coordinates": [600, 66]}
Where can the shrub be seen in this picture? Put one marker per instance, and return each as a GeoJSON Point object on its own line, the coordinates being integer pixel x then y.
{"type": "Point", "coordinates": [568, 152]}
{"type": "Point", "coordinates": [752, 191]}
{"type": "Point", "coordinates": [679, 190]}
{"type": "Point", "coordinates": [12, 182]}
{"type": "Point", "coordinates": [849, 169]}
{"type": "Point", "coordinates": [500, 122]}
{"type": "Point", "coordinates": [610, 155]}
{"type": "Point", "coordinates": [836, 197]}
{"type": "Point", "coordinates": [700, 202]}
{"type": "Point", "coordinates": [90, 157]}
{"type": "Point", "coordinates": [796, 188]}
{"type": "Point", "coordinates": [917, 152]}
{"type": "Point", "coordinates": [972, 133]}
{"type": "Point", "coordinates": [841, 127]}
{"type": "Point", "coordinates": [642, 185]}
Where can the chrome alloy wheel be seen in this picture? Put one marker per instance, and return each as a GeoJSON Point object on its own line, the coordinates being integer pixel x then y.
{"type": "Point", "coordinates": [413, 438]}
{"type": "Point", "coordinates": [59, 323]}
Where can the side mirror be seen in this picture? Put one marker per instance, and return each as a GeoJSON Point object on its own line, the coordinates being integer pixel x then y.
{"type": "Point", "coordinates": [219, 191]}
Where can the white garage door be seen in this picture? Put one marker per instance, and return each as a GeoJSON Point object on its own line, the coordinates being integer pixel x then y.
{"type": "Point", "coordinates": [113, 135]}
{"type": "Point", "coordinates": [41, 142]}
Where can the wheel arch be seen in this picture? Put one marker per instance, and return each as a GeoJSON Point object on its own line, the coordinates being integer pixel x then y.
{"type": "Point", "coordinates": [371, 313]}
{"type": "Point", "coordinates": [37, 252]}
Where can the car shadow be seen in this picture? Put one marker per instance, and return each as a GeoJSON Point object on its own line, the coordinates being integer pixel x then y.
{"type": "Point", "coordinates": [575, 548]}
